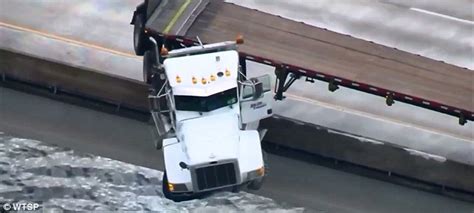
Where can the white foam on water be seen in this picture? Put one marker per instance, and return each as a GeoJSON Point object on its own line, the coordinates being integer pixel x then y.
{"type": "Point", "coordinates": [65, 180]}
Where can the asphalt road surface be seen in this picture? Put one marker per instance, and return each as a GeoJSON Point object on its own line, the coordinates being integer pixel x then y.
{"type": "Point", "coordinates": [408, 25]}
{"type": "Point", "coordinates": [290, 181]}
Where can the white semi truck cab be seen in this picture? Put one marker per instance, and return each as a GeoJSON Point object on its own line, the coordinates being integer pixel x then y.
{"type": "Point", "coordinates": [208, 126]}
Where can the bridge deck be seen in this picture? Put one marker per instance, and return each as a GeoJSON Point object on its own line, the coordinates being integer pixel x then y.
{"type": "Point", "coordinates": [276, 40]}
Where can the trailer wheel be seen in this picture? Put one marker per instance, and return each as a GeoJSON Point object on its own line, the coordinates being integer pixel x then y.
{"type": "Point", "coordinates": [139, 42]}
{"type": "Point", "coordinates": [170, 195]}
{"type": "Point", "coordinates": [148, 64]}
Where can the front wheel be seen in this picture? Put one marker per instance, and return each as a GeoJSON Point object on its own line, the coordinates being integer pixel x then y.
{"type": "Point", "coordinates": [236, 188]}
{"type": "Point", "coordinates": [170, 195]}
{"type": "Point", "coordinates": [256, 184]}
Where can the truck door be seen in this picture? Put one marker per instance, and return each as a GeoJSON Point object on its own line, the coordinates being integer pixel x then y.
{"type": "Point", "coordinates": [255, 99]}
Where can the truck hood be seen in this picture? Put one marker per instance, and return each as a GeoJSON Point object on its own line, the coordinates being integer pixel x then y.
{"type": "Point", "coordinates": [210, 138]}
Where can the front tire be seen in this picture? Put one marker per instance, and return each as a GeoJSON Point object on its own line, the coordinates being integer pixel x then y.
{"type": "Point", "coordinates": [236, 189]}
{"type": "Point", "coordinates": [256, 184]}
{"type": "Point", "coordinates": [170, 195]}
{"type": "Point", "coordinates": [139, 42]}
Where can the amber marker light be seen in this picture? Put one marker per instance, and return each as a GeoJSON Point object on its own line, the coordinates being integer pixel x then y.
{"type": "Point", "coordinates": [213, 78]}
{"type": "Point", "coordinates": [204, 81]}
{"type": "Point", "coordinates": [239, 39]}
{"type": "Point", "coordinates": [261, 171]}
{"type": "Point", "coordinates": [171, 187]}
{"type": "Point", "coordinates": [194, 80]}
{"type": "Point", "coordinates": [227, 73]}
{"type": "Point", "coordinates": [178, 79]}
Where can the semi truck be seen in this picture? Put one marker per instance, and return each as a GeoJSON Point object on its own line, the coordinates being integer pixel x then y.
{"type": "Point", "coordinates": [205, 112]}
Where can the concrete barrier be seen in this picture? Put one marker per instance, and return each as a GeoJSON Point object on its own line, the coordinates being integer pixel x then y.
{"type": "Point", "coordinates": [126, 94]}
{"type": "Point", "coordinates": [61, 77]}
{"type": "Point", "coordinates": [385, 157]}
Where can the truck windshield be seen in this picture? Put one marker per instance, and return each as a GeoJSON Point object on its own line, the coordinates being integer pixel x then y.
{"type": "Point", "coordinates": [206, 104]}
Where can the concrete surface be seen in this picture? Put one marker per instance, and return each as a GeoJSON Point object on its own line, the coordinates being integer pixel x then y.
{"type": "Point", "coordinates": [374, 154]}
{"type": "Point", "coordinates": [290, 181]}
{"type": "Point", "coordinates": [109, 88]}
{"type": "Point", "coordinates": [344, 110]}
{"type": "Point", "coordinates": [106, 23]}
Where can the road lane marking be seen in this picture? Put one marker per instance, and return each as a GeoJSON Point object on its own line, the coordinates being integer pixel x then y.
{"type": "Point", "coordinates": [176, 16]}
{"type": "Point", "coordinates": [442, 15]}
{"type": "Point", "coordinates": [68, 40]}
{"type": "Point", "coordinates": [187, 19]}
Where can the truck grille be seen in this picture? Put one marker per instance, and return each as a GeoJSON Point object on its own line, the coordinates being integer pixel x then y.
{"type": "Point", "coordinates": [215, 176]}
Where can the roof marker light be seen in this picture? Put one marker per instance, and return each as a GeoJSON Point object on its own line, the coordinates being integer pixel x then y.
{"type": "Point", "coordinates": [239, 39]}
{"type": "Point", "coordinates": [227, 73]}
{"type": "Point", "coordinates": [178, 79]}
{"type": "Point", "coordinates": [204, 81]}
{"type": "Point", "coordinates": [194, 80]}
{"type": "Point", "coordinates": [213, 78]}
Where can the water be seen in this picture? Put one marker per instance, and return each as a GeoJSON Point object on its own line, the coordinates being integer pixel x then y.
{"type": "Point", "coordinates": [63, 179]}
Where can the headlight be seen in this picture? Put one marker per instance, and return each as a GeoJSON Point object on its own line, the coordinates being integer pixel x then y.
{"type": "Point", "coordinates": [177, 187]}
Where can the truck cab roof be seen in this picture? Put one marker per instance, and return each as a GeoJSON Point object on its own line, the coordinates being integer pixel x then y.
{"type": "Point", "coordinates": [198, 71]}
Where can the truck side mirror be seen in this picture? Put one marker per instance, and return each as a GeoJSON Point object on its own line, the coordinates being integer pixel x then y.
{"type": "Point", "coordinates": [258, 89]}
{"type": "Point", "coordinates": [251, 90]}
{"type": "Point", "coordinates": [155, 108]}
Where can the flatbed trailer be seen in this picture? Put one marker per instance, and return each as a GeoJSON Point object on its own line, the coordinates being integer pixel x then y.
{"type": "Point", "coordinates": [299, 50]}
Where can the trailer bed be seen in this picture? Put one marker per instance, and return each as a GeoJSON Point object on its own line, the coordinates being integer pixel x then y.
{"type": "Point", "coordinates": [353, 62]}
